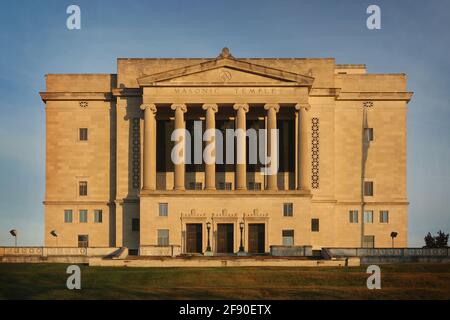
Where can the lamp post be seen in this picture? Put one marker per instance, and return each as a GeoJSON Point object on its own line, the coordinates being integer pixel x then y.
{"type": "Point", "coordinates": [241, 246]}
{"type": "Point", "coordinates": [208, 251]}
{"type": "Point", "coordinates": [14, 234]}
{"type": "Point", "coordinates": [208, 247]}
{"type": "Point", "coordinates": [54, 233]}
{"type": "Point", "coordinates": [393, 236]}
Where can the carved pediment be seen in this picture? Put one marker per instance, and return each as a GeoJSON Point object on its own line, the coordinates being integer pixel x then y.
{"type": "Point", "coordinates": [226, 71]}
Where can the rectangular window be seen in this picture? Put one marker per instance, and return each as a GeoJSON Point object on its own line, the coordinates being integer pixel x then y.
{"type": "Point", "coordinates": [384, 216]}
{"type": "Point", "coordinates": [368, 188]}
{"type": "Point", "coordinates": [98, 216]}
{"type": "Point", "coordinates": [288, 209]}
{"type": "Point", "coordinates": [225, 186]}
{"type": "Point", "coordinates": [315, 225]}
{"type": "Point", "coordinates": [163, 209]}
{"type": "Point", "coordinates": [254, 186]}
{"type": "Point", "coordinates": [163, 237]}
{"type": "Point", "coordinates": [82, 188]}
{"type": "Point", "coordinates": [195, 186]}
{"type": "Point", "coordinates": [368, 134]}
{"type": "Point", "coordinates": [135, 224]}
{"type": "Point", "coordinates": [68, 216]}
{"type": "Point", "coordinates": [83, 241]}
{"type": "Point", "coordinates": [353, 216]}
{"type": "Point", "coordinates": [369, 242]}
{"type": "Point", "coordinates": [288, 237]}
{"type": "Point", "coordinates": [368, 216]}
{"type": "Point", "coordinates": [83, 216]}
{"type": "Point", "coordinates": [83, 134]}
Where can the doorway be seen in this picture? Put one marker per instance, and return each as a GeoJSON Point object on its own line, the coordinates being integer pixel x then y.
{"type": "Point", "coordinates": [256, 238]}
{"type": "Point", "coordinates": [225, 238]}
{"type": "Point", "coordinates": [194, 238]}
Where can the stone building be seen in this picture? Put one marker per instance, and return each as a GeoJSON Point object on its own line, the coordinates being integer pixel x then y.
{"type": "Point", "coordinates": [110, 181]}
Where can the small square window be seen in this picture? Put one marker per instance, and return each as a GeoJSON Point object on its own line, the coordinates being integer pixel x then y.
{"type": "Point", "coordinates": [315, 225]}
{"type": "Point", "coordinates": [83, 241]}
{"type": "Point", "coordinates": [288, 237]}
{"type": "Point", "coordinates": [135, 224]}
{"type": "Point", "coordinates": [368, 134]}
{"type": "Point", "coordinates": [384, 216]}
{"type": "Point", "coordinates": [163, 237]}
{"type": "Point", "coordinates": [369, 242]}
{"type": "Point", "coordinates": [368, 188]}
{"type": "Point", "coordinates": [288, 209]}
{"type": "Point", "coordinates": [83, 216]}
{"type": "Point", "coordinates": [98, 216]}
{"type": "Point", "coordinates": [83, 134]}
{"type": "Point", "coordinates": [82, 188]}
{"type": "Point", "coordinates": [68, 216]}
{"type": "Point", "coordinates": [353, 216]}
{"type": "Point", "coordinates": [368, 216]}
{"type": "Point", "coordinates": [163, 209]}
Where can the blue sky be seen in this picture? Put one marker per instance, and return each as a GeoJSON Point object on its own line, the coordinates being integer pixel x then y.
{"type": "Point", "coordinates": [414, 39]}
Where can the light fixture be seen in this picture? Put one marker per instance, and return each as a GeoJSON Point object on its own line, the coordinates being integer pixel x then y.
{"type": "Point", "coordinates": [14, 233]}
{"type": "Point", "coordinates": [393, 236]}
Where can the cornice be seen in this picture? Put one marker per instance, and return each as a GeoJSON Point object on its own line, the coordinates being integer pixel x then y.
{"type": "Point", "coordinates": [225, 193]}
{"type": "Point", "coordinates": [380, 96]}
{"type": "Point", "coordinates": [81, 96]}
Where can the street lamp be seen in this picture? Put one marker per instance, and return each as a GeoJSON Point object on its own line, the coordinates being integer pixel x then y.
{"type": "Point", "coordinates": [241, 246]}
{"type": "Point", "coordinates": [393, 236]}
{"type": "Point", "coordinates": [208, 227]}
{"type": "Point", "coordinates": [54, 233]}
{"type": "Point", "coordinates": [14, 234]}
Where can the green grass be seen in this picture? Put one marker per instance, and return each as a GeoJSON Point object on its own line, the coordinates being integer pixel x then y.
{"type": "Point", "coordinates": [48, 281]}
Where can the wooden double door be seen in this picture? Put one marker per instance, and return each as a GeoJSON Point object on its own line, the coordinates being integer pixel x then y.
{"type": "Point", "coordinates": [225, 238]}
{"type": "Point", "coordinates": [194, 238]}
{"type": "Point", "coordinates": [256, 238]}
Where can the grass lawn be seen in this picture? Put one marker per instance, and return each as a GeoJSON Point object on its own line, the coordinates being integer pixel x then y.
{"type": "Point", "coordinates": [48, 281]}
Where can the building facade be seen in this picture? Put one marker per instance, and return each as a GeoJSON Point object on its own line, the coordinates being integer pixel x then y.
{"type": "Point", "coordinates": [111, 181]}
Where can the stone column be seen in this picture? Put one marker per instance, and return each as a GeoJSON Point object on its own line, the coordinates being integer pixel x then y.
{"type": "Point", "coordinates": [272, 110]}
{"type": "Point", "coordinates": [149, 180]}
{"type": "Point", "coordinates": [303, 159]}
{"type": "Point", "coordinates": [240, 180]}
{"type": "Point", "coordinates": [210, 169]}
{"type": "Point", "coordinates": [180, 110]}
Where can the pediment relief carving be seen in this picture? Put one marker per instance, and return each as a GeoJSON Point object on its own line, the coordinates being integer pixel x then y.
{"type": "Point", "coordinates": [226, 70]}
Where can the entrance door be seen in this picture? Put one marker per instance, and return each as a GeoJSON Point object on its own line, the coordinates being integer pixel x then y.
{"type": "Point", "coordinates": [256, 238]}
{"type": "Point", "coordinates": [194, 238]}
{"type": "Point", "coordinates": [225, 238]}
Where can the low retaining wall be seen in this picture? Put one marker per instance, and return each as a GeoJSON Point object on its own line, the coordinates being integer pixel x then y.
{"type": "Point", "coordinates": [52, 255]}
{"type": "Point", "coordinates": [291, 251]}
{"type": "Point", "coordinates": [390, 255]}
{"type": "Point", "coordinates": [160, 251]}
{"type": "Point", "coordinates": [214, 263]}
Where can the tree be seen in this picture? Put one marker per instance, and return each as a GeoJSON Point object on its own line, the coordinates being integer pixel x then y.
{"type": "Point", "coordinates": [441, 240]}
{"type": "Point", "coordinates": [438, 241]}
{"type": "Point", "coordinates": [430, 242]}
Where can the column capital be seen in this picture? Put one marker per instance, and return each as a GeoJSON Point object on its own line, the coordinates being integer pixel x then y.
{"type": "Point", "coordinates": [179, 106]}
{"type": "Point", "coordinates": [211, 106]}
{"type": "Point", "coordinates": [274, 106]}
{"type": "Point", "coordinates": [300, 106]}
{"type": "Point", "coordinates": [243, 106]}
{"type": "Point", "coordinates": [150, 106]}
